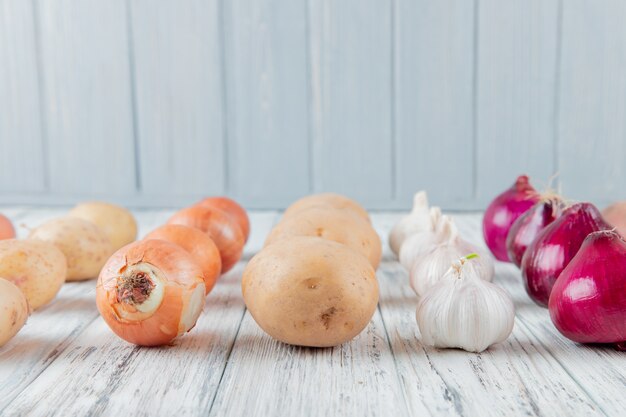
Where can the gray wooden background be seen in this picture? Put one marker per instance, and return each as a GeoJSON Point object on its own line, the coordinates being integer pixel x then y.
{"type": "Point", "coordinates": [155, 103]}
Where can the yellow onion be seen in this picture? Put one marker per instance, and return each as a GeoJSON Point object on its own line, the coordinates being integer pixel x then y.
{"type": "Point", "coordinates": [150, 292]}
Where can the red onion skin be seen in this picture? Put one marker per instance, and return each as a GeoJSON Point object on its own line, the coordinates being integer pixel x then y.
{"type": "Point", "coordinates": [526, 228]}
{"type": "Point", "coordinates": [555, 246]}
{"type": "Point", "coordinates": [503, 211]}
{"type": "Point", "coordinates": [588, 301]}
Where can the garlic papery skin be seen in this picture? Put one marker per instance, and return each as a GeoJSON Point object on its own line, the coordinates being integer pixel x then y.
{"type": "Point", "coordinates": [415, 222]}
{"type": "Point", "coordinates": [429, 267]}
{"type": "Point", "coordinates": [443, 230]}
{"type": "Point", "coordinates": [464, 311]}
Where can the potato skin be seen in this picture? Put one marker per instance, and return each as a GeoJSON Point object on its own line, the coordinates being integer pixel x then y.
{"type": "Point", "coordinates": [341, 226]}
{"type": "Point", "coordinates": [331, 200]}
{"type": "Point", "coordinates": [13, 310]}
{"type": "Point", "coordinates": [37, 268]}
{"type": "Point", "coordinates": [84, 245]}
{"type": "Point", "coordinates": [117, 223]}
{"type": "Point", "coordinates": [310, 291]}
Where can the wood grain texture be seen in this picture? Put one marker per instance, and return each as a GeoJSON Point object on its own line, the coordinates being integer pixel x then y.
{"type": "Point", "coordinates": [265, 52]}
{"type": "Point", "coordinates": [177, 56]}
{"type": "Point", "coordinates": [599, 371]}
{"type": "Point", "coordinates": [67, 362]}
{"type": "Point", "coordinates": [47, 334]}
{"type": "Point", "coordinates": [517, 377]}
{"type": "Point", "coordinates": [592, 127]}
{"type": "Point", "coordinates": [87, 96]}
{"type": "Point", "coordinates": [351, 80]}
{"type": "Point", "coordinates": [269, 100]}
{"type": "Point", "coordinates": [516, 93]}
{"type": "Point", "coordinates": [267, 377]}
{"type": "Point", "coordinates": [48, 330]}
{"type": "Point", "coordinates": [22, 167]}
{"type": "Point", "coordinates": [434, 91]}
{"type": "Point", "coordinates": [115, 377]}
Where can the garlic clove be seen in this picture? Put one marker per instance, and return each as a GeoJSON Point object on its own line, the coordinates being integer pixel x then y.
{"type": "Point", "coordinates": [443, 231]}
{"type": "Point", "coordinates": [415, 222]}
{"type": "Point", "coordinates": [429, 267]}
{"type": "Point", "coordinates": [464, 311]}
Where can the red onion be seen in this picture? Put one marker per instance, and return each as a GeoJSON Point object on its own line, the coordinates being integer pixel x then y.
{"type": "Point", "coordinates": [528, 225]}
{"type": "Point", "coordinates": [503, 211]}
{"type": "Point", "coordinates": [555, 246]}
{"type": "Point", "coordinates": [588, 302]}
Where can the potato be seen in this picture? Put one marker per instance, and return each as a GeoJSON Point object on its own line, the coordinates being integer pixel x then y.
{"type": "Point", "coordinates": [117, 223]}
{"type": "Point", "coordinates": [309, 291]}
{"type": "Point", "coordinates": [13, 310]}
{"type": "Point", "coordinates": [84, 245]}
{"type": "Point", "coordinates": [336, 201]}
{"type": "Point", "coordinates": [338, 225]}
{"type": "Point", "coordinates": [37, 268]}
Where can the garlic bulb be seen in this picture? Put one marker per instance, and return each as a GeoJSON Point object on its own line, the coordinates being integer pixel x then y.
{"type": "Point", "coordinates": [464, 311]}
{"type": "Point", "coordinates": [416, 222]}
{"type": "Point", "coordinates": [418, 243]}
{"type": "Point", "coordinates": [429, 266]}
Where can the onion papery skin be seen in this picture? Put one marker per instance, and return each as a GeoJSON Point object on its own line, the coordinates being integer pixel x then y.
{"type": "Point", "coordinates": [234, 209]}
{"type": "Point", "coordinates": [180, 306]}
{"type": "Point", "coordinates": [588, 301]}
{"type": "Point", "coordinates": [615, 215]}
{"type": "Point", "coordinates": [526, 228]}
{"type": "Point", "coordinates": [220, 226]}
{"type": "Point", "coordinates": [7, 231]}
{"type": "Point", "coordinates": [555, 246]}
{"type": "Point", "coordinates": [503, 211]}
{"type": "Point", "coordinates": [198, 244]}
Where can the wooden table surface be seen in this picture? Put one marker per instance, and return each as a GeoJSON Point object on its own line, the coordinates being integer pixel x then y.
{"type": "Point", "coordinates": [67, 362]}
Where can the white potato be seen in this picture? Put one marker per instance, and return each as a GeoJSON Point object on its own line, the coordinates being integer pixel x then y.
{"type": "Point", "coordinates": [37, 268]}
{"type": "Point", "coordinates": [13, 310]}
{"type": "Point", "coordinates": [84, 245]}
{"type": "Point", "coordinates": [310, 291]}
{"type": "Point", "coordinates": [117, 223]}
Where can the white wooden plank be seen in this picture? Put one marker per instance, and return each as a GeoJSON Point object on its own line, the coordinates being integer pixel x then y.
{"type": "Point", "coordinates": [352, 95]}
{"type": "Point", "coordinates": [110, 377]}
{"type": "Point", "coordinates": [599, 371]}
{"type": "Point", "coordinates": [46, 335]}
{"type": "Point", "coordinates": [517, 377]}
{"type": "Point", "coordinates": [267, 100]}
{"type": "Point", "coordinates": [513, 378]}
{"type": "Point", "coordinates": [178, 85]}
{"type": "Point", "coordinates": [592, 126]}
{"type": "Point", "coordinates": [50, 330]}
{"type": "Point", "coordinates": [266, 377]}
{"type": "Point", "coordinates": [87, 96]}
{"type": "Point", "coordinates": [434, 93]}
{"type": "Point", "coordinates": [516, 93]}
{"type": "Point", "coordinates": [22, 167]}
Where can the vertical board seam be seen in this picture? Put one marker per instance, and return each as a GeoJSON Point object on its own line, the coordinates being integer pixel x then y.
{"type": "Point", "coordinates": [475, 68]}
{"type": "Point", "coordinates": [133, 95]}
{"type": "Point", "coordinates": [310, 98]}
{"type": "Point", "coordinates": [393, 82]}
{"type": "Point", "coordinates": [43, 119]}
{"type": "Point", "coordinates": [557, 93]}
{"type": "Point", "coordinates": [221, 13]}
